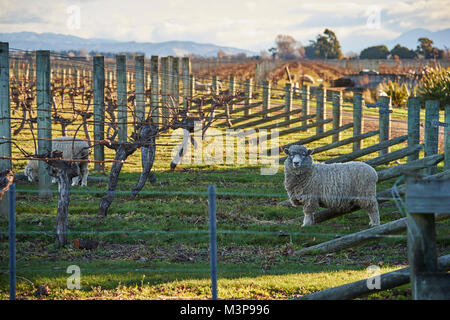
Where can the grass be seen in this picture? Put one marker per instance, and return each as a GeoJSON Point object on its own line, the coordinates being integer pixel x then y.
{"type": "Point", "coordinates": [156, 246]}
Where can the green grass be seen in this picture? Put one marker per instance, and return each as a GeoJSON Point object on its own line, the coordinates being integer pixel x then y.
{"type": "Point", "coordinates": [156, 246]}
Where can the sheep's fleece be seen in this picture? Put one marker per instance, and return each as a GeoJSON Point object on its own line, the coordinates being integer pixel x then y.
{"type": "Point", "coordinates": [337, 186]}
{"type": "Point", "coordinates": [72, 148]}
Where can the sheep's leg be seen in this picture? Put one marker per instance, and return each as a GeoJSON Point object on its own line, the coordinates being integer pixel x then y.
{"type": "Point", "coordinates": [308, 210]}
{"type": "Point", "coordinates": [374, 214]}
{"type": "Point", "coordinates": [76, 179]}
{"type": "Point", "coordinates": [84, 172]}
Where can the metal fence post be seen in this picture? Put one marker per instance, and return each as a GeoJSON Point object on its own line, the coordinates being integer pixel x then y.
{"type": "Point", "coordinates": [213, 239]}
{"type": "Point", "coordinates": [12, 241]}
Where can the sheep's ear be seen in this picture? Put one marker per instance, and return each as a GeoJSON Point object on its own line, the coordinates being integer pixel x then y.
{"type": "Point", "coordinates": [286, 150]}
{"type": "Point", "coordinates": [310, 152]}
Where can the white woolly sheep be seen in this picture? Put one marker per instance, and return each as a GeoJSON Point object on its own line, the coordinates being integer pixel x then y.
{"type": "Point", "coordinates": [71, 148]}
{"type": "Point", "coordinates": [338, 186]}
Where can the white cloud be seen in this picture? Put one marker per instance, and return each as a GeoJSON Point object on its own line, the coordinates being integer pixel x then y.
{"type": "Point", "coordinates": [247, 24]}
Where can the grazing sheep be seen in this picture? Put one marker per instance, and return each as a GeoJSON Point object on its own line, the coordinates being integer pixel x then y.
{"type": "Point", "coordinates": [72, 148]}
{"type": "Point", "coordinates": [337, 186]}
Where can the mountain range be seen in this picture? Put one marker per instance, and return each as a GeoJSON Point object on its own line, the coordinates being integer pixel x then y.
{"type": "Point", "coordinates": [409, 39]}
{"type": "Point", "coordinates": [59, 42]}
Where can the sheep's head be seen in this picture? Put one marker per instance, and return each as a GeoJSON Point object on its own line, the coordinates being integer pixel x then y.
{"type": "Point", "coordinates": [30, 173]}
{"type": "Point", "coordinates": [299, 156]}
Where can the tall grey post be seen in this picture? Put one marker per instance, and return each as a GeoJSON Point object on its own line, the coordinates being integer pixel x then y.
{"type": "Point", "coordinates": [337, 114]}
{"type": "Point", "coordinates": [186, 71]}
{"type": "Point", "coordinates": [5, 121]}
{"type": "Point", "coordinates": [288, 101]}
{"type": "Point", "coordinates": [121, 65]}
{"type": "Point", "coordinates": [447, 138]}
{"type": "Point", "coordinates": [321, 103]}
{"type": "Point", "coordinates": [358, 119]}
{"type": "Point", "coordinates": [384, 122]}
{"type": "Point", "coordinates": [305, 103]}
{"type": "Point", "coordinates": [248, 96]}
{"type": "Point", "coordinates": [99, 111]}
{"type": "Point", "coordinates": [431, 132]}
{"type": "Point", "coordinates": [215, 86]}
{"type": "Point", "coordinates": [413, 125]}
{"type": "Point", "coordinates": [232, 90]}
{"type": "Point", "coordinates": [176, 81]}
{"type": "Point", "coordinates": [266, 97]}
{"type": "Point", "coordinates": [165, 90]}
{"type": "Point", "coordinates": [44, 118]}
{"type": "Point", "coordinates": [154, 71]}
{"type": "Point", "coordinates": [140, 89]}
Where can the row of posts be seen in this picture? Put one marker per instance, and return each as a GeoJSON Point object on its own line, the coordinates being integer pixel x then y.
{"type": "Point", "coordinates": [167, 84]}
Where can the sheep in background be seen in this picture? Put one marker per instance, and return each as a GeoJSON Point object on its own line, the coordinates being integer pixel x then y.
{"type": "Point", "coordinates": [337, 186]}
{"type": "Point", "coordinates": [72, 148]}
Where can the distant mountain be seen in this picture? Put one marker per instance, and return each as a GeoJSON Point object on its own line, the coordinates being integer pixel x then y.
{"type": "Point", "coordinates": [409, 39]}
{"type": "Point", "coordinates": [58, 42]}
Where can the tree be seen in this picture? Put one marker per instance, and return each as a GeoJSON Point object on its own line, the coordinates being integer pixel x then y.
{"type": "Point", "coordinates": [375, 52]}
{"type": "Point", "coordinates": [221, 54]}
{"type": "Point", "coordinates": [288, 47]}
{"type": "Point", "coordinates": [426, 49]}
{"type": "Point", "coordinates": [403, 52]}
{"type": "Point", "coordinates": [326, 46]}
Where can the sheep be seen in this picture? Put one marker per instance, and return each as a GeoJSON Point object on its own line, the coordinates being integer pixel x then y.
{"type": "Point", "coordinates": [338, 186]}
{"type": "Point", "coordinates": [72, 148]}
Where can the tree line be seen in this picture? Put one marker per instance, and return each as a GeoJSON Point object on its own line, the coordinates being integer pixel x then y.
{"type": "Point", "coordinates": [327, 46]}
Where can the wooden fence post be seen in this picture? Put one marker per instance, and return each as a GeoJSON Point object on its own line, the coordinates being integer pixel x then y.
{"type": "Point", "coordinates": [447, 138]}
{"type": "Point", "coordinates": [248, 95]}
{"type": "Point", "coordinates": [306, 94]}
{"type": "Point", "coordinates": [5, 119]}
{"type": "Point", "coordinates": [215, 86]}
{"type": "Point", "coordinates": [337, 111]}
{"type": "Point", "coordinates": [431, 132]}
{"type": "Point", "coordinates": [321, 102]}
{"type": "Point", "coordinates": [140, 89]}
{"type": "Point", "coordinates": [186, 71]}
{"type": "Point", "coordinates": [288, 101]}
{"type": "Point", "coordinates": [413, 125]}
{"type": "Point", "coordinates": [154, 70]}
{"type": "Point", "coordinates": [170, 79]}
{"type": "Point", "coordinates": [191, 86]}
{"type": "Point", "coordinates": [232, 90]}
{"type": "Point", "coordinates": [176, 81]}
{"type": "Point", "coordinates": [358, 119]}
{"type": "Point", "coordinates": [44, 118]}
{"type": "Point", "coordinates": [384, 122]}
{"type": "Point", "coordinates": [121, 65]}
{"type": "Point", "coordinates": [99, 111]}
{"type": "Point", "coordinates": [164, 89]}
{"type": "Point", "coordinates": [266, 97]}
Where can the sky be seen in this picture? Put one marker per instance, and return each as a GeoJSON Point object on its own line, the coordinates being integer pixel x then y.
{"type": "Point", "coordinates": [246, 24]}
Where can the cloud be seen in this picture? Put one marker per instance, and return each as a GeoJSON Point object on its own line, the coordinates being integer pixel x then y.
{"type": "Point", "coordinates": [248, 24]}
